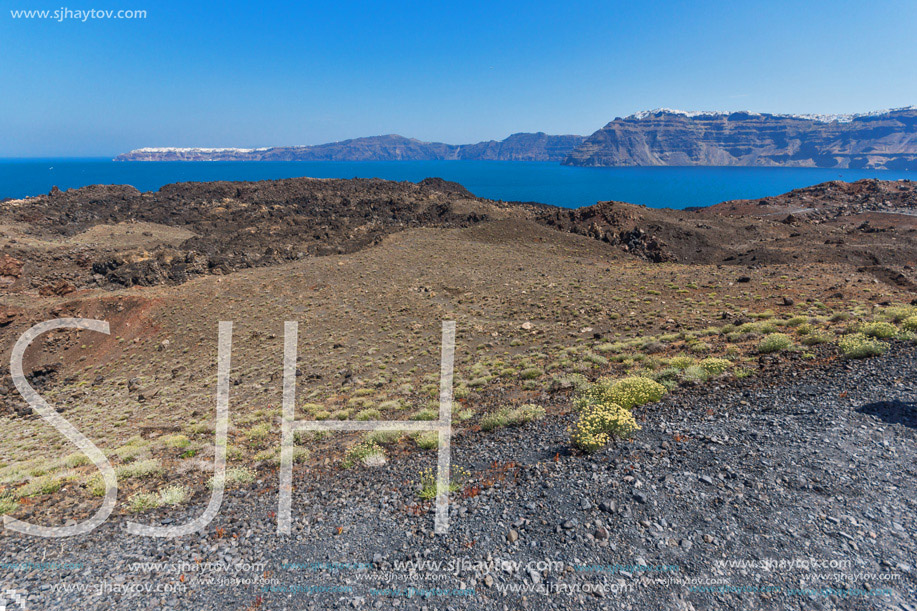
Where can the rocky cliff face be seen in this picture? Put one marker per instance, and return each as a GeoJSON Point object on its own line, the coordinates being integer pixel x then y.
{"type": "Point", "coordinates": [517, 147]}
{"type": "Point", "coordinates": [886, 140]}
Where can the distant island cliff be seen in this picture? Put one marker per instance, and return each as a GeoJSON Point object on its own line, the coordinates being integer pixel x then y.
{"type": "Point", "coordinates": [663, 137]}
{"type": "Point", "coordinates": [517, 147]}
{"type": "Point", "coordinates": [880, 140]}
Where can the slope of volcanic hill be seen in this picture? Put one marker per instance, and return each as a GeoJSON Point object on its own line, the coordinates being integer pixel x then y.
{"type": "Point", "coordinates": [115, 236]}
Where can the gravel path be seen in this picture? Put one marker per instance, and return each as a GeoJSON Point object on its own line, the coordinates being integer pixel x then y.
{"type": "Point", "coordinates": [797, 493]}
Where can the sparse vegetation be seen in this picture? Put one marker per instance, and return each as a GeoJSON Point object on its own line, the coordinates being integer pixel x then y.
{"type": "Point", "coordinates": [859, 346]}
{"type": "Point", "coordinates": [511, 416]}
{"type": "Point", "coordinates": [775, 342]}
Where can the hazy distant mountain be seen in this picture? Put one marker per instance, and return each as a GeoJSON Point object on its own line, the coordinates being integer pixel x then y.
{"type": "Point", "coordinates": [517, 147]}
{"type": "Point", "coordinates": [881, 140]}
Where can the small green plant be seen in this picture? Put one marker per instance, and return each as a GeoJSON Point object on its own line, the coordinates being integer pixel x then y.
{"type": "Point", "coordinates": [775, 342]}
{"type": "Point", "coordinates": [383, 438]}
{"type": "Point", "coordinates": [259, 432]}
{"type": "Point", "coordinates": [139, 469]}
{"type": "Point", "coordinates": [531, 373]}
{"type": "Point", "coordinates": [859, 346]}
{"type": "Point", "coordinates": [425, 414]}
{"type": "Point", "coordinates": [45, 484]}
{"type": "Point", "coordinates": [7, 505]}
{"type": "Point", "coordinates": [426, 440]}
{"type": "Point", "coordinates": [715, 366]}
{"type": "Point", "coordinates": [427, 485]}
{"type": "Point", "coordinates": [142, 501]}
{"type": "Point", "coordinates": [366, 453]}
{"type": "Point", "coordinates": [368, 414]}
{"type": "Point", "coordinates": [879, 330]}
{"type": "Point", "coordinates": [76, 460]}
{"type": "Point", "coordinates": [511, 416]}
{"type": "Point", "coordinates": [175, 441]}
{"type": "Point", "coordinates": [174, 495]}
{"type": "Point", "coordinates": [236, 476]}
{"type": "Point", "coordinates": [910, 323]}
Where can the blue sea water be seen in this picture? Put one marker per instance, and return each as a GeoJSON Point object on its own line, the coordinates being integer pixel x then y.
{"type": "Point", "coordinates": [550, 183]}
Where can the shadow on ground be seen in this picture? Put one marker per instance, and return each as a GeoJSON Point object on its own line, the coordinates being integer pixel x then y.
{"type": "Point", "coordinates": [893, 412]}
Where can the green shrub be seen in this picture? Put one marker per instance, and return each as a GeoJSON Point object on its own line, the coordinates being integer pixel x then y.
{"type": "Point", "coordinates": [635, 391]}
{"type": "Point", "coordinates": [143, 501]}
{"type": "Point", "coordinates": [817, 338]}
{"type": "Point", "coordinates": [259, 432]}
{"type": "Point", "coordinates": [598, 423]}
{"type": "Point", "coordinates": [427, 490]}
{"type": "Point", "coordinates": [139, 469]}
{"type": "Point", "coordinates": [45, 484]}
{"type": "Point", "coordinates": [511, 416]}
{"type": "Point", "coordinates": [174, 495]}
{"type": "Point", "coordinates": [900, 313]}
{"type": "Point", "coordinates": [365, 453]}
{"type": "Point", "coordinates": [531, 373]}
{"type": "Point", "coordinates": [910, 323]}
{"type": "Point", "coordinates": [368, 414]}
{"type": "Point", "coordinates": [627, 392]}
{"type": "Point", "coordinates": [236, 476]}
{"type": "Point", "coordinates": [715, 366]}
{"type": "Point", "coordinates": [681, 362]}
{"type": "Point", "coordinates": [879, 330]}
{"type": "Point", "coordinates": [7, 505]}
{"type": "Point", "coordinates": [426, 440]}
{"type": "Point", "coordinates": [76, 460]}
{"type": "Point", "coordinates": [175, 441]}
{"type": "Point", "coordinates": [695, 374]}
{"type": "Point", "coordinates": [425, 414]}
{"type": "Point", "coordinates": [383, 438]}
{"type": "Point", "coordinates": [859, 346]}
{"type": "Point", "coordinates": [775, 342]}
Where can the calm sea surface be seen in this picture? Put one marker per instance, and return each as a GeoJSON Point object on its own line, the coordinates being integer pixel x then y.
{"type": "Point", "coordinates": [549, 183]}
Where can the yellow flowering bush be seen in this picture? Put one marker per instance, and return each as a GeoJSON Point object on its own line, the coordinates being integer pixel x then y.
{"type": "Point", "coordinates": [599, 423]}
{"type": "Point", "coordinates": [628, 392]}
{"type": "Point", "coordinates": [715, 366]}
{"type": "Point", "coordinates": [910, 323]}
{"type": "Point", "coordinates": [859, 346]}
{"type": "Point", "coordinates": [635, 391]}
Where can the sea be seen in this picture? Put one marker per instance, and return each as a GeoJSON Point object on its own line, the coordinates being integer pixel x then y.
{"type": "Point", "coordinates": [548, 183]}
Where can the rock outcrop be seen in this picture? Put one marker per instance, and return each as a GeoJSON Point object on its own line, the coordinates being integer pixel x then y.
{"type": "Point", "coordinates": [884, 140]}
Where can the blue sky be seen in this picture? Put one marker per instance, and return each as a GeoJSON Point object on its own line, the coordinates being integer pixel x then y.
{"type": "Point", "coordinates": [233, 73]}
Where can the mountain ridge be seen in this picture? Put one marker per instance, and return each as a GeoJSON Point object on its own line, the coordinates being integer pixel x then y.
{"type": "Point", "coordinates": [878, 140]}
{"type": "Point", "coordinates": [522, 146]}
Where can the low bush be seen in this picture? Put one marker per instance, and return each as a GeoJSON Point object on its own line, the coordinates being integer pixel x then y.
{"type": "Point", "coordinates": [511, 416]}
{"type": "Point", "coordinates": [599, 423]}
{"type": "Point", "coordinates": [366, 453]}
{"type": "Point", "coordinates": [879, 330]}
{"type": "Point", "coordinates": [715, 366]}
{"type": "Point", "coordinates": [143, 501]}
{"type": "Point", "coordinates": [859, 346]}
{"type": "Point", "coordinates": [775, 342]}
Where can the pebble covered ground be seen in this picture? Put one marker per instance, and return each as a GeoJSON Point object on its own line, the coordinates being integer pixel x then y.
{"type": "Point", "coordinates": [796, 491]}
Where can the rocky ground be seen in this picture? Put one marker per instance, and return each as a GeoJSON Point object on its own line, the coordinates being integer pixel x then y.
{"type": "Point", "coordinates": [794, 492]}
{"type": "Point", "coordinates": [785, 472]}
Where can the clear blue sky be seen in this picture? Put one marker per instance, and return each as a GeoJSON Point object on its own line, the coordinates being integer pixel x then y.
{"type": "Point", "coordinates": [233, 73]}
